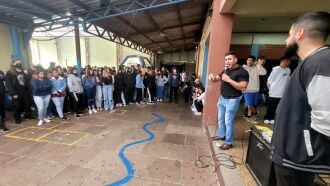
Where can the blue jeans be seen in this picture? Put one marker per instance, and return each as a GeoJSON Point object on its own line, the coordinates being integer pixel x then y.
{"type": "Point", "coordinates": [90, 94]}
{"type": "Point", "coordinates": [160, 92]}
{"type": "Point", "coordinates": [227, 109]}
{"type": "Point", "coordinates": [108, 97]}
{"type": "Point", "coordinates": [42, 104]}
{"type": "Point", "coordinates": [59, 101]}
{"type": "Point", "coordinates": [98, 96]}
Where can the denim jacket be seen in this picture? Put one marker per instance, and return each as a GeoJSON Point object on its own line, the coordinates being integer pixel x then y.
{"type": "Point", "coordinates": [139, 82]}
{"type": "Point", "coordinates": [58, 85]}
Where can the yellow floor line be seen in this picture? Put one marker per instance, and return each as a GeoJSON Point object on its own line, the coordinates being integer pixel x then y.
{"type": "Point", "coordinates": [11, 135]}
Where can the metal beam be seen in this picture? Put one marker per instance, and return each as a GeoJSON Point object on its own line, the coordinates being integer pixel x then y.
{"type": "Point", "coordinates": [13, 20]}
{"type": "Point", "coordinates": [114, 37]}
{"type": "Point", "coordinates": [116, 9]}
{"type": "Point", "coordinates": [18, 6]}
{"type": "Point", "coordinates": [41, 6]}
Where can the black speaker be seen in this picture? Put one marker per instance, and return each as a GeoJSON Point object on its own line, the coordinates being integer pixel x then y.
{"type": "Point", "coordinates": [258, 161]}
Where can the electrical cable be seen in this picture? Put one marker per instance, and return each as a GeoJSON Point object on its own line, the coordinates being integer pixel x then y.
{"type": "Point", "coordinates": [223, 159]}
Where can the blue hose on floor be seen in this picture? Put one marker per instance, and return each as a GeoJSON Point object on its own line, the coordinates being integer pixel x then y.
{"type": "Point", "coordinates": [128, 164]}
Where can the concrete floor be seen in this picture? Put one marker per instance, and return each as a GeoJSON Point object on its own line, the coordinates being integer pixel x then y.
{"type": "Point", "coordinates": [85, 151]}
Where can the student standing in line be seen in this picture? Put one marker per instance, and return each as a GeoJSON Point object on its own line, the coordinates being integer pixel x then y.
{"type": "Point", "coordinates": [89, 84]}
{"type": "Point", "coordinates": [139, 86]}
{"type": "Point", "coordinates": [119, 87]}
{"type": "Point", "coordinates": [58, 93]}
{"type": "Point", "coordinates": [76, 90]}
{"type": "Point", "coordinates": [98, 95]}
{"type": "Point", "coordinates": [161, 80]}
{"type": "Point", "coordinates": [42, 88]}
{"type": "Point", "coordinates": [2, 103]}
{"type": "Point", "coordinates": [107, 81]}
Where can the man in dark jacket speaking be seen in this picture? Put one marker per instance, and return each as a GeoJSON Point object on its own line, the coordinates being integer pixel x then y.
{"type": "Point", "coordinates": [301, 139]}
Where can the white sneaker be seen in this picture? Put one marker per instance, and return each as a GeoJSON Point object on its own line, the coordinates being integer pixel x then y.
{"type": "Point", "coordinates": [47, 120]}
{"type": "Point", "coordinates": [194, 109]}
{"type": "Point", "coordinates": [40, 122]}
{"type": "Point", "coordinates": [266, 121]}
{"type": "Point", "coordinates": [95, 111]}
{"type": "Point", "coordinates": [272, 122]}
{"type": "Point", "coordinates": [197, 113]}
{"type": "Point", "coordinates": [90, 111]}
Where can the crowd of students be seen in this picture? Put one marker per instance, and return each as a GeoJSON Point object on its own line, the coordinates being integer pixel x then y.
{"type": "Point", "coordinates": [60, 91]}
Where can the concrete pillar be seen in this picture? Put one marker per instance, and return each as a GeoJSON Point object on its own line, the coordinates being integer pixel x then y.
{"type": "Point", "coordinates": [78, 54]}
{"type": "Point", "coordinates": [119, 54]}
{"type": "Point", "coordinates": [87, 50]}
{"type": "Point", "coordinates": [15, 43]}
{"type": "Point", "coordinates": [220, 37]}
{"type": "Point", "coordinates": [58, 51]}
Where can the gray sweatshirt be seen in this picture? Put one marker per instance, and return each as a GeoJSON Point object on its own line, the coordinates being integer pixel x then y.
{"type": "Point", "coordinates": [75, 84]}
{"type": "Point", "coordinates": [161, 81]}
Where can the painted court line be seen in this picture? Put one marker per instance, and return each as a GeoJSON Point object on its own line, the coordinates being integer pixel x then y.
{"type": "Point", "coordinates": [51, 131]}
{"type": "Point", "coordinates": [127, 163]}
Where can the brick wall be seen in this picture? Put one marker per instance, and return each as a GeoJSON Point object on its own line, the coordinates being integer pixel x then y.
{"type": "Point", "coordinates": [270, 51]}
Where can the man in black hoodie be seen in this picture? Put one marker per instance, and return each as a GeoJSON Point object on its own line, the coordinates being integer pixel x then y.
{"type": "Point", "coordinates": [18, 86]}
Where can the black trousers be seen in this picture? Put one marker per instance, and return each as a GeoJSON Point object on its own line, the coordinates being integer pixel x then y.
{"type": "Point", "coordinates": [22, 103]}
{"type": "Point", "coordinates": [138, 95]}
{"type": "Point", "coordinates": [199, 105]}
{"type": "Point", "coordinates": [77, 100]}
{"type": "Point", "coordinates": [174, 90]}
{"type": "Point", "coordinates": [118, 96]}
{"type": "Point", "coordinates": [290, 177]}
{"type": "Point", "coordinates": [151, 93]}
{"type": "Point", "coordinates": [129, 94]}
{"type": "Point", "coordinates": [271, 108]}
{"type": "Point", "coordinates": [2, 106]}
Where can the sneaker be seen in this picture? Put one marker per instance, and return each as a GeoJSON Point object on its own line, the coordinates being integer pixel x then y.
{"type": "Point", "coordinates": [194, 109]}
{"type": "Point", "coordinates": [77, 115]}
{"type": "Point", "coordinates": [40, 122]}
{"type": "Point", "coordinates": [272, 122]}
{"type": "Point", "coordinates": [161, 100]}
{"type": "Point", "coordinates": [50, 117]}
{"type": "Point", "coordinates": [95, 111]}
{"type": "Point", "coordinates": [137, 103]}
{"type": "Point", "coordinates": [266, 121]}
{"type": "Point", "coordinates": [149, 102]}
{"type": "Point", "coordinates": [197, 113]}
{"type": "Point", "coordinates": [112, 111]}
{"type": "Point", "coordinates": [65, 118]}
{"type": "Point", "coordinates": [47, 120]}
{"type": "Point", "coordinates": [90, 111]}
{"type": "Point", "coordinates": [5, 129]}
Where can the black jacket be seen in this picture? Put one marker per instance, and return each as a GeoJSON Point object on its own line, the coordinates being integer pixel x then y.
{"type": "Point", "coordinates": [119, 81]}
{"type": "Point", "coordinates": [129, 80]}
{"type": "Point", "coordinates": [302, 120]}
{"type": "Point", "coordinates": [18, 84]}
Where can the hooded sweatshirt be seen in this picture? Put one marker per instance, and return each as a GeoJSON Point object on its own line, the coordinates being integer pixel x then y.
{"type": "Point", "coordinates": [74, 84]}
{"type": "Point", "coordinates": [254, 72]}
